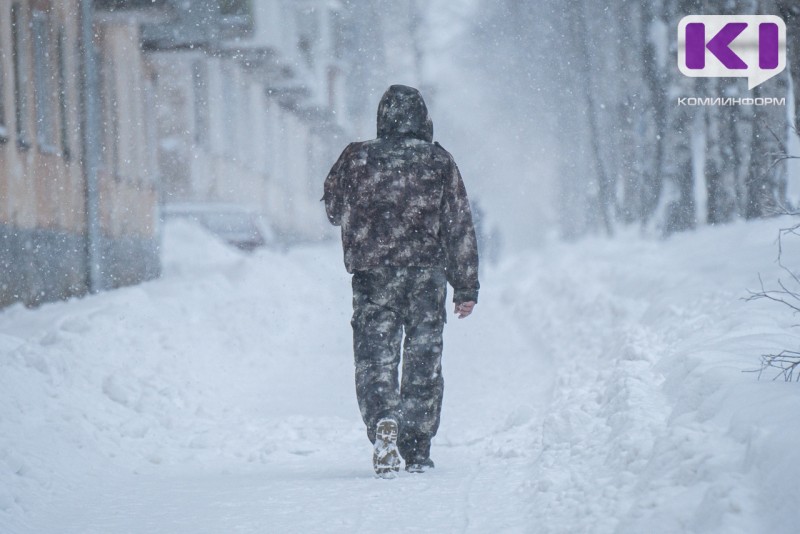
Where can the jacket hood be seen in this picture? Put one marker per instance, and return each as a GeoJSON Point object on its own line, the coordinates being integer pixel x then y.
{"type": "Point", "coordinates": [403, 113]}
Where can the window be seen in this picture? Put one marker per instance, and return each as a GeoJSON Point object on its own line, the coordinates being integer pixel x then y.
{"type": "Point", "coordinates": [3, 130]}
{"type": "Point", "coordinates": [308, 34]}
{"type": "Point", "coordinates": [110, 102]}
{"type": "Point", "coordinates": [237, 8]}
{"type": "Point", "coordinates": [103, 116]}
{"type": "Point", "coordinates": [43, 84]}
{"type": "Point", "coordinates": [237, 15]}
{"type": "Point", "coordinates": [111, 5]}
{"type": "Point", "coordinates": [151, 130]}
{"type": "Point", "coordinates": [338, 34]}
{"type": "Point", "coordinates": [230, 109]}
{"type": "Point", "coordinates": [62, 96]}
{"type": "Point", "coordinates": [200, 78]}
{"type": "Point", "coordinates": [19, 53]}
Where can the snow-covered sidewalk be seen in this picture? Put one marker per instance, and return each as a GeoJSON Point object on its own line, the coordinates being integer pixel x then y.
{"type": "Point", "coordinates": [597, 388]}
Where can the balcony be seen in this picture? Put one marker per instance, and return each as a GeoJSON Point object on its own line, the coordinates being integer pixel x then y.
{"type": "Point", "coordinates": [127, 5]}
{"type": "Point", "coordinates": [193, 24]}
{"type": "Point", "coordinates": [143, 11]}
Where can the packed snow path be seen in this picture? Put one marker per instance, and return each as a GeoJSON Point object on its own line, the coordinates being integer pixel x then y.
{"type": "Point", "coordinates": [596, 388]}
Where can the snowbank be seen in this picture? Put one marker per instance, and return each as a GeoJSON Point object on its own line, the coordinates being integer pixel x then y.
{"type": "Point", "coordinates": [653, 426]}
{"type": "Point", "coordinates": [597, 388]}
{"type": "Point", "coordinates": [160, 375]}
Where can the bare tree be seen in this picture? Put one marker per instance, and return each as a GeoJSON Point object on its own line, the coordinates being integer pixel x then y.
{"type": "Point", "coordinates": [677, 199]}
{"type": "Point", "coordinates": [790, 11]}
{"type": "Point", "coordinates": [766, 178]}
{"type": "Point", "coordinates": [630, 150]}
{"type": "Point", "coordinates": [786, 362]}
{"type": "Point", "coordinates": [723, 158]}
{"type": "Point", "coordinates": [728, 137]}
{"type": "Point", "coordinates": [654, 54]}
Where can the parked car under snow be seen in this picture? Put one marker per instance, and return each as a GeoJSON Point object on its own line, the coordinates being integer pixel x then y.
{"type": "Point", "coordinates": [238, 226]}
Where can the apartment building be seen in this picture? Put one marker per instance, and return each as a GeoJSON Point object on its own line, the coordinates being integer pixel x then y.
{"type": "Point", "coordinates": [49, 247]}
{"type": "Point", "coordinates": [248, 109]}
{"type": "Point", "coordinates": [110, 109]}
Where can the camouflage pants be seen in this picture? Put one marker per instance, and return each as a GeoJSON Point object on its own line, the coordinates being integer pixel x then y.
{"type": "Point", "coordinates": [387, 301]}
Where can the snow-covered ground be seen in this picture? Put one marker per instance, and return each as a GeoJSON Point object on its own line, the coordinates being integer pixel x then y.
{"type": "Point", "coordinates": [597, 388]}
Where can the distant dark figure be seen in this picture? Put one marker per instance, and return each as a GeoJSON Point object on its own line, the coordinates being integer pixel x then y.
{"type": "Point", "coordinates": [489, 240]}
{"type": "Point", "coordinates": [406, 231]}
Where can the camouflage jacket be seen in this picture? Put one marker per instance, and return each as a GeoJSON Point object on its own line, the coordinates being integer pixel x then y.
{"type": "Point", "coordinates": [400, 199]}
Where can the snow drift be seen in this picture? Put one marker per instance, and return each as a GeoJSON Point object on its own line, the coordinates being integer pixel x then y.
{"type": "Point", "coordinates": [597, 388]}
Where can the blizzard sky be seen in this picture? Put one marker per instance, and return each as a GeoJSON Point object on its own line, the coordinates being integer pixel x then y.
{"type": "Point", "coordinates": [504, 141]}
{"type": "Point", "coordinates": [505, 148]}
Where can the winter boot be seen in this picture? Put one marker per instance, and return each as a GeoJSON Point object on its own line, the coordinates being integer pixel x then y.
{"type": "Point", "coordinates": [419, 466]}
{"type": "Point", "coordinates": [385, 456]}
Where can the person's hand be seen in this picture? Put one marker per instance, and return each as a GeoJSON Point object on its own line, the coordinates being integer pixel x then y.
{"type": "Point", "coordinates": [464, 309]}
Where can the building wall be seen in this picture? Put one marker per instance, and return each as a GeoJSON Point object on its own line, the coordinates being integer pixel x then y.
{"type": "Point", "coordinates": [43, 206]}
{"type": "Point", "coordinates": [127, 178]}
{"type": "Point", "coordinates": [174, 121]}
{"type": "Point", "coordinates": [258, 143]}
{"type": "Point", "coordinates": [235, 106]}
{"type": "Point", "coordinates": [42, 181]}
{"type": "Point", "coordinates": [254, 120]}
{"type": "Point", "coordinates": [42, 248]}
{"type": "Point", "coordinates": [208, 129]}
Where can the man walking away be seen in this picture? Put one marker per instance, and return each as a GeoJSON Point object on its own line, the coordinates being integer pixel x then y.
{"type": "Point", "coordinates": [406, 232]}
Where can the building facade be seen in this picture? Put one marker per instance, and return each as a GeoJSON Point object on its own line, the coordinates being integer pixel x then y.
{"type": "Point", "coordinates": [250, 112]}
{"type": "Point", "coordinates": [110, 109]}
{"type": "Point", "coordinates": [47, 247]}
